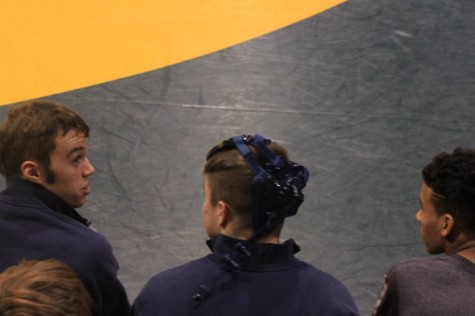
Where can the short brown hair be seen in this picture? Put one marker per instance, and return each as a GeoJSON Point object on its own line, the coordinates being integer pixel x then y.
{"type": "Point", "coordinates": [42, 288]}
{"type": "Point", "coordinates": [230, 177]}
{"type": "Point", "coordinates": [29, 133]}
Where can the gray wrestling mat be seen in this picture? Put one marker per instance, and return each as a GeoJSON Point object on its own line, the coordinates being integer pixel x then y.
{"type": "Point", "coordinates": [363, 95]}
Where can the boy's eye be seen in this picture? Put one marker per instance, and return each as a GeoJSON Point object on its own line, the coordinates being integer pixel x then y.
{"type": "Point", "coordinates": [77, 160]}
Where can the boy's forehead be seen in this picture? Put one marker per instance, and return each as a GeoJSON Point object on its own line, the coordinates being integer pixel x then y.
{"type": "Point", "coordinates": [426, 192]}
{"type": "Point", "coordinates": [70, 139]}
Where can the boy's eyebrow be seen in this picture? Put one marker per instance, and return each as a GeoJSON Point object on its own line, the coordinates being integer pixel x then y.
{"type": "Point", "coordinates": [75, 150]}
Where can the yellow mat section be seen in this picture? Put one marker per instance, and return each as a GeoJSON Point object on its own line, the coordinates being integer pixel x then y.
{"type": "Point", "coordinates": [53, 46]}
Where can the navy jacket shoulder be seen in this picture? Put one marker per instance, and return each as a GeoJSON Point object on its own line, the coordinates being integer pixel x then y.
{"type": "Point", "coordinates": [274, 282]}
{"type": "Point", "coordinates": [35, 224]}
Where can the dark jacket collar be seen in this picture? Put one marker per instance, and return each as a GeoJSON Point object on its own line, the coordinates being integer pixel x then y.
{"type": "Point", "coordinates": [263, 256]}
{"type": "Point", "coordinates": [29, 192]}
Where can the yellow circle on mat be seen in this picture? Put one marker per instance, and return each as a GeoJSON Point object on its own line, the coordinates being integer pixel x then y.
{"type": "Point", "coordinates": [53, 46]}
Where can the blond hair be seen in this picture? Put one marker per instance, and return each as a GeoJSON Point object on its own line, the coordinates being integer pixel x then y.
{"type": "Point", "coordinates": [42, 288]}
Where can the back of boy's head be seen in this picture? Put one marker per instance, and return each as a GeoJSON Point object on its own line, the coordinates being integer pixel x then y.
{"type": "Point", "coordinates": [42, 288]}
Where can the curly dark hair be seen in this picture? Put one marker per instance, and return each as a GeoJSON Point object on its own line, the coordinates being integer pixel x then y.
{"type": "Point", "coordinates": [452, 180]}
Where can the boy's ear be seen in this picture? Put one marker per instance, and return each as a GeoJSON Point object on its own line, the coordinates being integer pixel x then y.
{"type": "Point", "coordinates": [224, 214]}
{"type": "Point", "coordinates": [31, 171]}
{"type": "Point", "coordinates": [447, 224]}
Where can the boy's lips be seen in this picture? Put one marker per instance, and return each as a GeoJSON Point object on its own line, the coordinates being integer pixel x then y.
{"type": "Point", "coordinates": [86, 189]}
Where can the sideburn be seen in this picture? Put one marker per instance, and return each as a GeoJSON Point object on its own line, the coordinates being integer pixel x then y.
{"type": "Point", "coordinates": [50, 175]}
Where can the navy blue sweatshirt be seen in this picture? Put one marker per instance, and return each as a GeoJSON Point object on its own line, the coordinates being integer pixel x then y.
{"type": "Point", "coordinates": [35, 224]}
{"type": "Point", "coordinates": [270, 282]}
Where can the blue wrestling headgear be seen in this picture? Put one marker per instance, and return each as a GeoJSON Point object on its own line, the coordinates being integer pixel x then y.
{"type": "Point", "coordinates": [277, 185]}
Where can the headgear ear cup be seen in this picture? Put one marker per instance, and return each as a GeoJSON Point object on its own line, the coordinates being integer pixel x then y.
{"type": "Point", "coordinates": [277, 186]}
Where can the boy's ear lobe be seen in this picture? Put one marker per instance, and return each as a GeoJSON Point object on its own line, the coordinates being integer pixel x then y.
{"type": "Point", "coordinates": [31, 171]}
